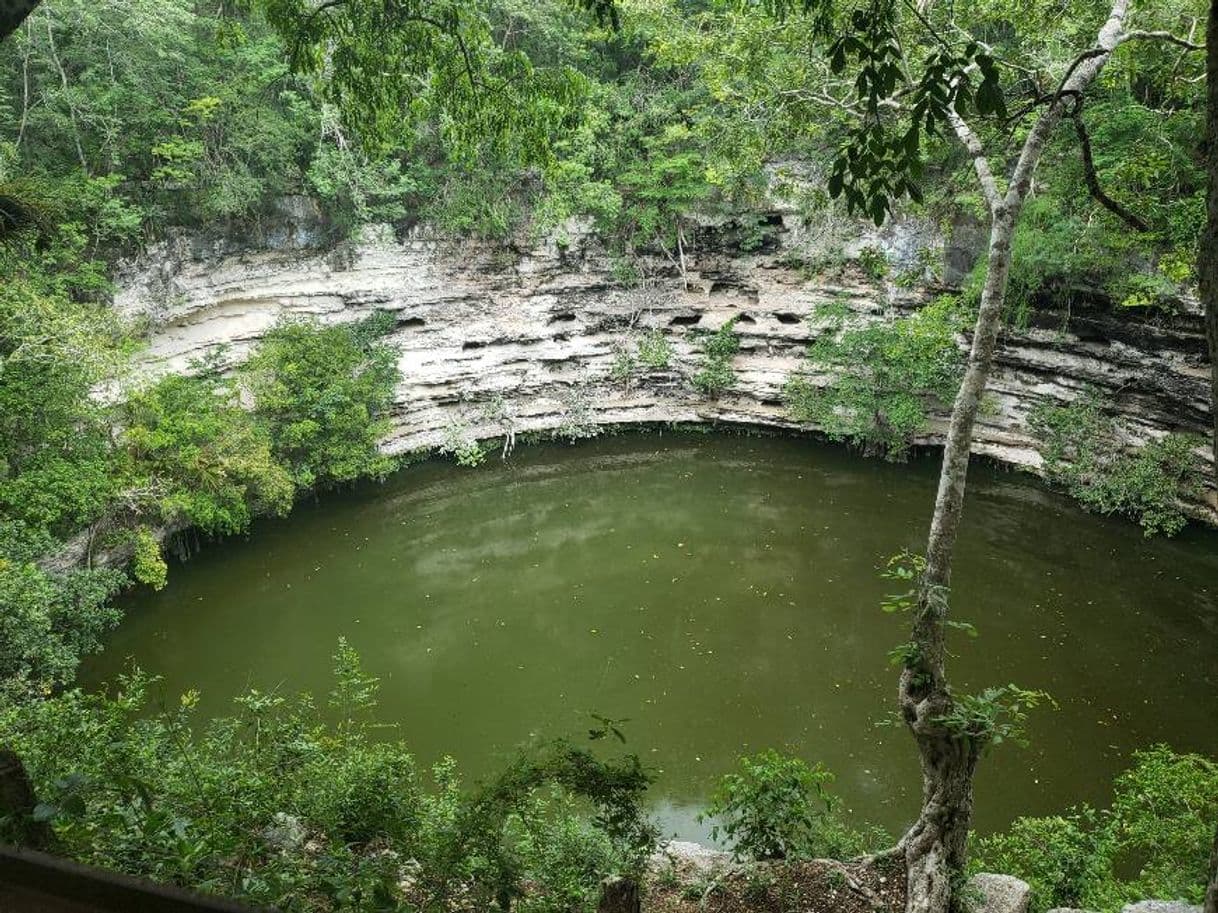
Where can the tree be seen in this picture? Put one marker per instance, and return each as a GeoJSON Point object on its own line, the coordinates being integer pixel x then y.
{"type": "Point", "coordinates": [323, 393]}
{"type": "Point", "coordinates": [937, 844]}
{"type": "Point", "coordinates": [193, 115]}
{"type": "Point", "coordinates": [894, 110]}
{"type": "Point", "coordinates": [1207, 260]}
{"type": "Point", "coordinates": [390, 62]}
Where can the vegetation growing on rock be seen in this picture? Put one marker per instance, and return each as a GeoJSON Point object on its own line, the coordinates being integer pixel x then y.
{"type": "Point", "coordinates": [881, 377]}
{"type": "Point", "coordinates": [1087, 453]}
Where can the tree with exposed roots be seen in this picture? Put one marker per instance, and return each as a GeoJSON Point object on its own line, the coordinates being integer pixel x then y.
{"type": "Point", "coordinates": [935, 847]}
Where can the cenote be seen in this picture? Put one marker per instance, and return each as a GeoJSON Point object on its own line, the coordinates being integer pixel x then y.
{"type": "Point", "coordinates": [719, 592]}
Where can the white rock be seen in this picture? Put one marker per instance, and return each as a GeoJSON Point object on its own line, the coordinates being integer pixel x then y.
{"type": "Point", "coordinates": [1000, 893]}
{"type": "Point", "coordinates": [686, 854]}
{"type": "Point", "coordinates": [285, 832]}
{"type": "Point", "coordinates": [1160, 906]}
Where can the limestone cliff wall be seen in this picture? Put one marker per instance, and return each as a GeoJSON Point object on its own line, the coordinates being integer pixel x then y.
{"type": "Point", "coordinates": [497, 339]}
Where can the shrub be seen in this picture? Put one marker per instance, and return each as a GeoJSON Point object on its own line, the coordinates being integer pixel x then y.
{"type": "Point", "coordinates": [1058, 856]}
{"type": "Point", "coordinates": [461, 446]}
{"type": "Point", "coordinates": [55, 473]}
{"type": "Point", "coordinates": [873, 262]}
{"type": "Point", "coordinates": [622, 366]}
{"type": "Point", "coordinates": [50, 620]}
{"type": "Point", "coordinates": [1085, 452]}
{"type": "Point", "coordinates": [194, 455]}
{"type": "Point", "coordinates": [147, 564]}
{"type": "Point", "coordinates": [1059, 256]}
{"type": "Point", "coordinates": [1163, 815]}
{"type": "Point", "coordinates": [654, 350]}
{"type": "Point", "coordinates": [718, 348]}
{"type": "Point", "coordinates": [779, 807]}
{"type": "Point", "coordinates": [279, 805]}
{"type": "Point", "coordinates": [883, 375]}
{"type": "Point", "coordinates": [568, 856]}
{"type": "Point", "coordinates": [1153, 841]}
{"type": "Point", "coordinates": [578, 418]}
{"type": "Point", "coordinates": [323, 394]}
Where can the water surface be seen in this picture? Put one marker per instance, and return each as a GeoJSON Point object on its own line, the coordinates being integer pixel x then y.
{"type": "Point", "coordinates": [722, 594]}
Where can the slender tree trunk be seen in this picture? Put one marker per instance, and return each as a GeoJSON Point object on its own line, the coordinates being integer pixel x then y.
{"type": "Point", "coordinates": [936, 847]}
{"type": "Point", "coordinates": [25, 83]}
{"type": "Point", "coordinates": [17, 800]}
{"type": "Point", "coordinates": [1211, 893]}
{"type": "Point", "coordinates": [63, 77]}
{"type": "Point", "coordinates": [1207, 260]}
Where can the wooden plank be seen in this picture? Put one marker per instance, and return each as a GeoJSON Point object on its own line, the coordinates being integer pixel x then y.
{"type": "Point", "coordinates": [35, 882]}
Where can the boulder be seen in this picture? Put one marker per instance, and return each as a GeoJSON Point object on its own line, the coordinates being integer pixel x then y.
{"type": "Point", "coordinates": [689, 858]}
{"type": "Point", "coordinates": [999, 893]}
{"type": "Point", "coordinates": [1160, 906]}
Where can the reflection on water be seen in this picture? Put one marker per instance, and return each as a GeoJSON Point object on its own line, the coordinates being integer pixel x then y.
{"type": "Point", "coordinates": [721, 593]}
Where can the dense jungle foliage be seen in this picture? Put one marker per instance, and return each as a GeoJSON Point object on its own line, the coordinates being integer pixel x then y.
{"type": "Point", "coordinates": [123, 121]}
{"type": "Point", "coordinates": [309, 807]}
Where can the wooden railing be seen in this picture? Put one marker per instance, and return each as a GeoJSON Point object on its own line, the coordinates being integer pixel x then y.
{"type": "Point", "coordinates": [37, 882]}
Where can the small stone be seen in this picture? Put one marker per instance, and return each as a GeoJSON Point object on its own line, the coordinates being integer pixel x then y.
{"type": "Point", "coordinates": [1000, 893]}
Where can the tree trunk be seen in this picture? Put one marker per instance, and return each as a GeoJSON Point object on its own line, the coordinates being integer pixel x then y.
{"type": "Point", "coordinates": [936, 847]}
{"type": "Point", "coordinates": [619, 895]}
{"type": "Point", "coordinates": [13, 13]}
{"type": "Point", "coordinates": [1211, 892]}
{"type": "Point", "coordinates": [1207, 260]}
{"type": "Point", "coordinates": [17, 801]}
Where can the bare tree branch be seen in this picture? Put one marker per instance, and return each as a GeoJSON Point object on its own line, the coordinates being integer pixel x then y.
{"type": "Point", "coordinates": [1079, 75]}
{"type": "Point", "coordinates": [989, 186]}
{"type": "Point", "coordinates": [1093, 180]}
{"type": "Point", "coordinates": [1142, 35]}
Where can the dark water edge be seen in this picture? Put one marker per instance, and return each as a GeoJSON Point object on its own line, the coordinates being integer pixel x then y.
{"type": "Point", "coordinates": [719, 591]}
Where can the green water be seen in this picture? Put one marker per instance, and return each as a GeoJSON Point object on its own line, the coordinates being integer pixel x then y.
{"type": "Point", "coordinates": [721, 593]}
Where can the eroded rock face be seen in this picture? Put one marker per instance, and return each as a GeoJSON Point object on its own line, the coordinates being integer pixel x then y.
{"type": "Point", "coordinates": [498, 340]}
